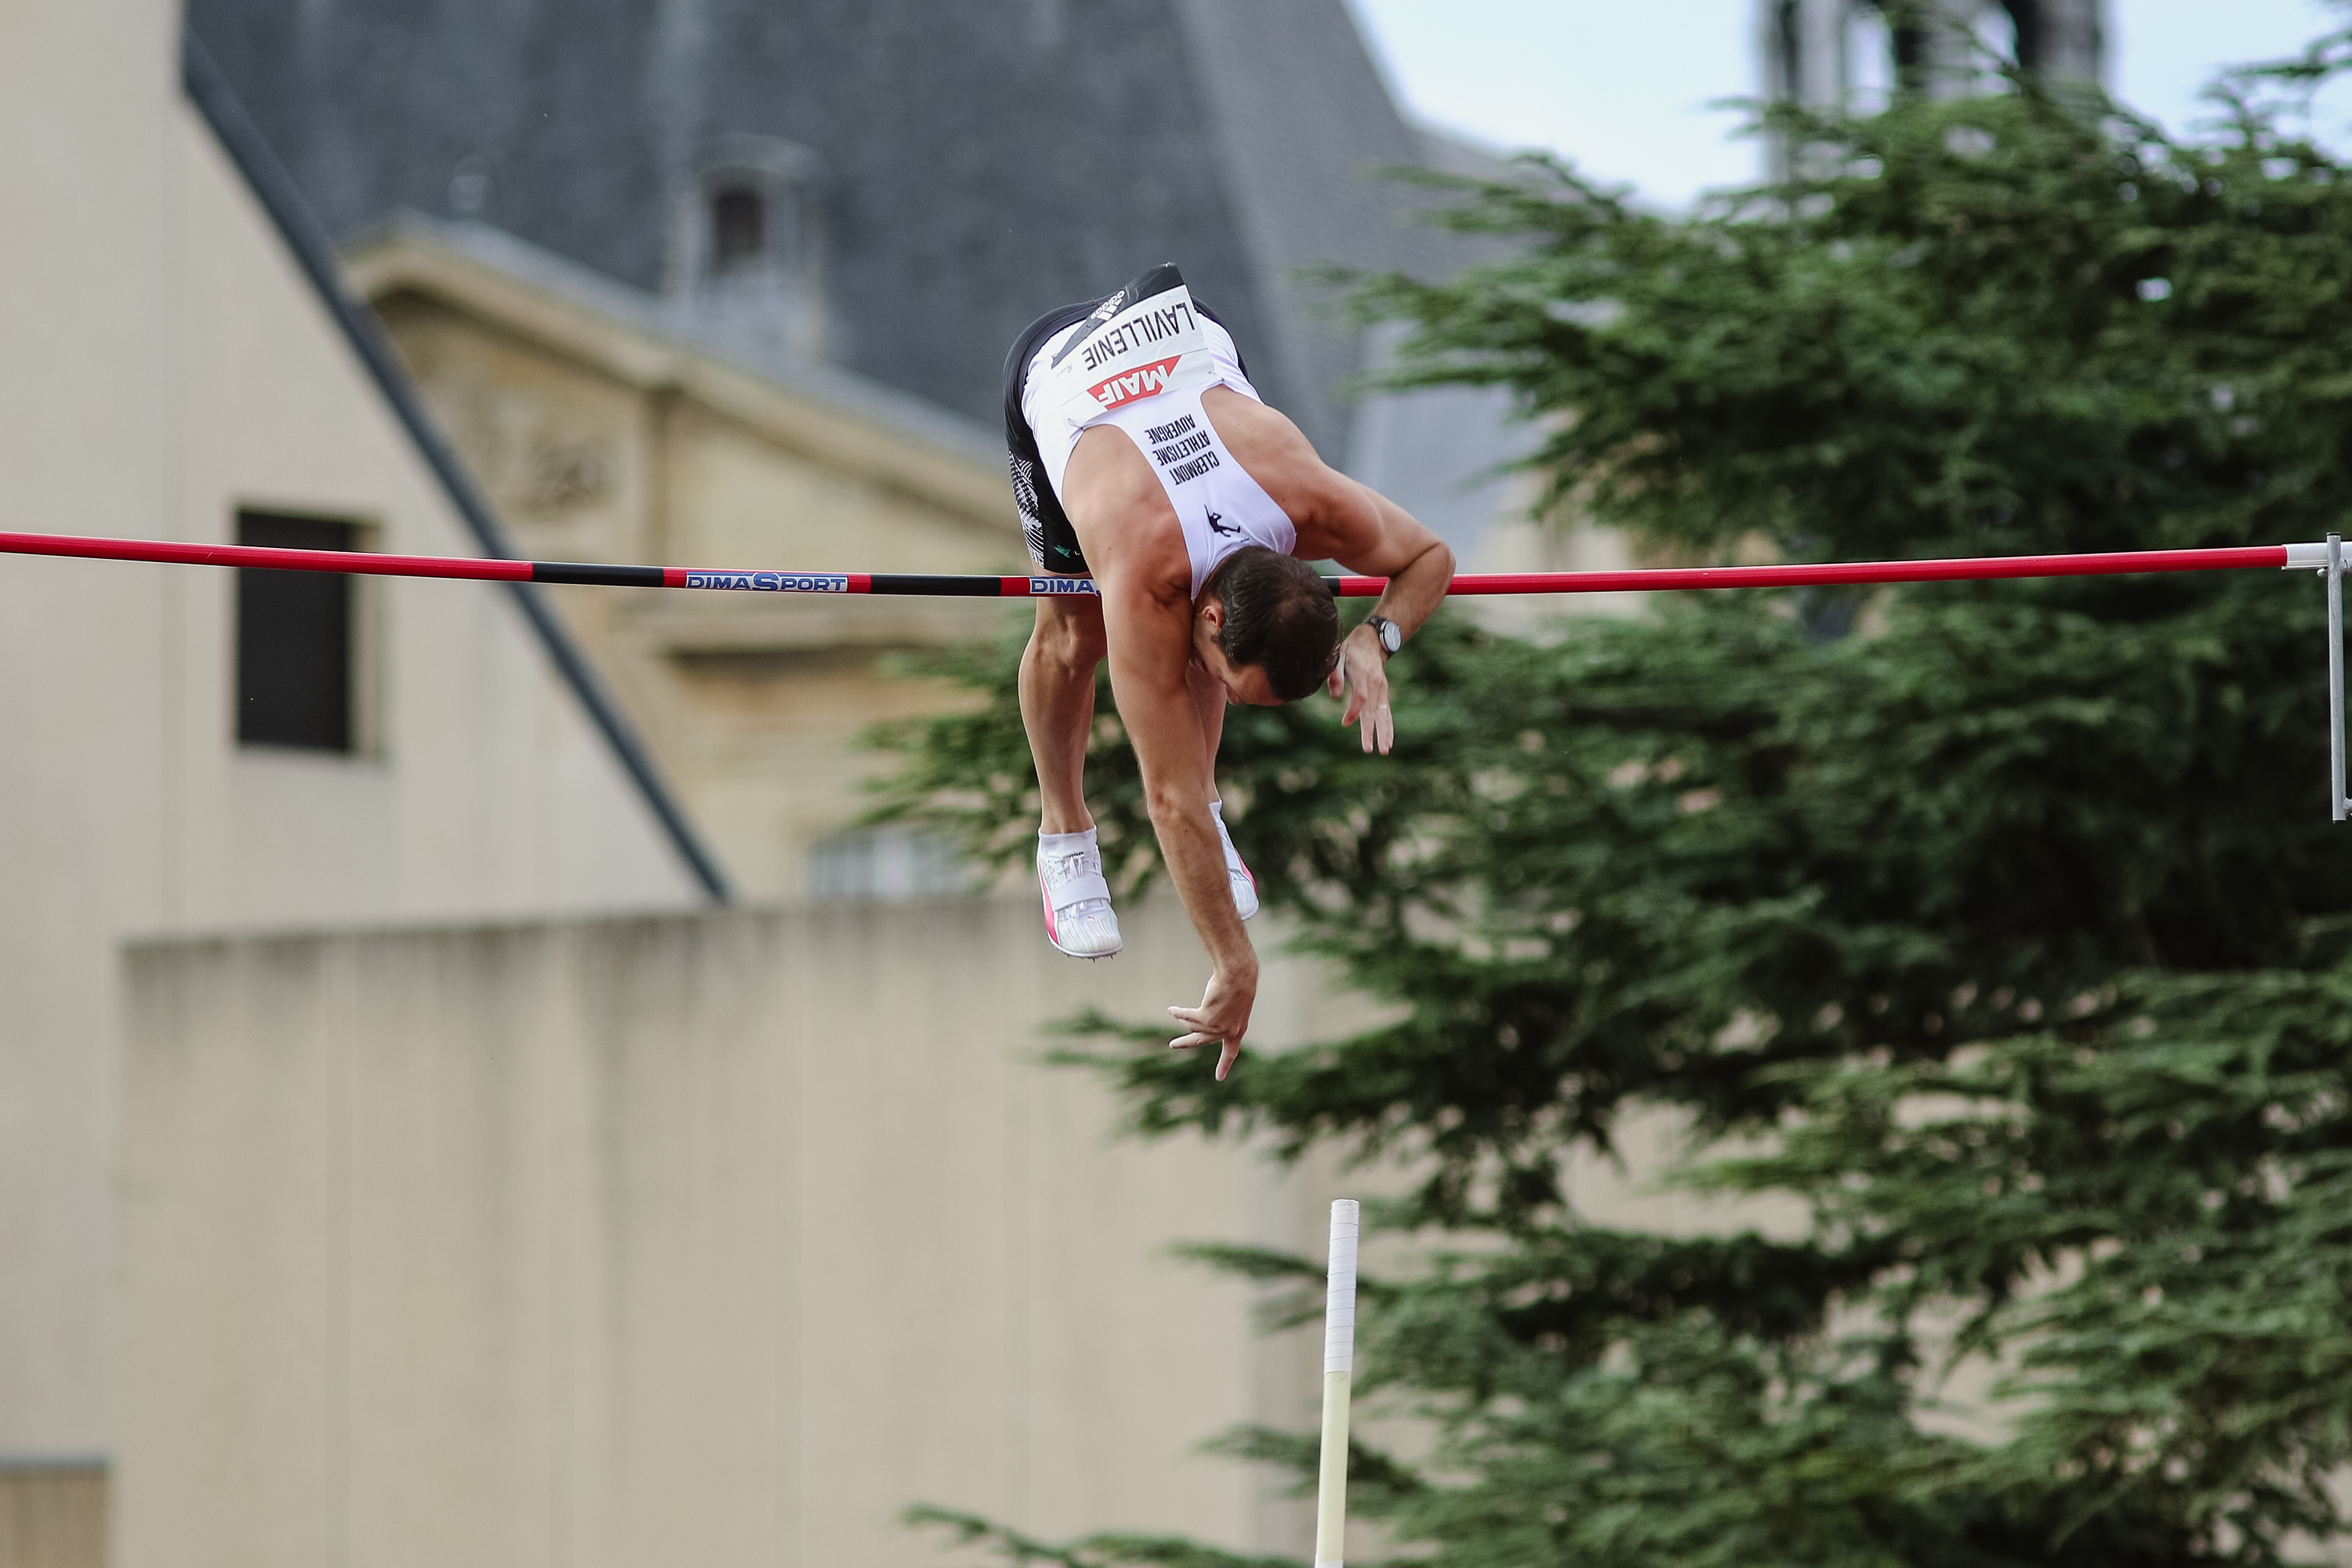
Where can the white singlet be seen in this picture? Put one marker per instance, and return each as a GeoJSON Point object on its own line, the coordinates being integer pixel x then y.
{"type": "Point", "coordinates": [1143, 369]}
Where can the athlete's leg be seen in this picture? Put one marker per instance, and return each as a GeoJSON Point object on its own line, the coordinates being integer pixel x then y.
{"type": "Point", "coordinates": [1057, 709]}
{"type": "Point", "coordinates": [1057, 705]}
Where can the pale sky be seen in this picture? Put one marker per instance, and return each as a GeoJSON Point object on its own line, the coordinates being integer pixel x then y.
{"type": "Point", "coordinates": [1621, 86]}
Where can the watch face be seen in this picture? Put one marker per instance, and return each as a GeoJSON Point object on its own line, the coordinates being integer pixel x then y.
{"type": "Point", "coordinates": [1386, 630]}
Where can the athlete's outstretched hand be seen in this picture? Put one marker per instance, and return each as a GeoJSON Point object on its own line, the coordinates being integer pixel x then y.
{"type": "Point", "coordinates": [1362, 676]}
{"type": "Point", "coordinates": [1223, 1017]}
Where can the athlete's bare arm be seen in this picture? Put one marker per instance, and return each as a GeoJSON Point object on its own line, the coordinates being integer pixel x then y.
{"type": "Point", "coordinates": [1349, 522]}
{"type": "Point", "coordinates": [1130, 537]}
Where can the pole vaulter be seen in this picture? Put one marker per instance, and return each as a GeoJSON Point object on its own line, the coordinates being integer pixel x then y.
{"type": "Point", "coordinates": [1170, 518]}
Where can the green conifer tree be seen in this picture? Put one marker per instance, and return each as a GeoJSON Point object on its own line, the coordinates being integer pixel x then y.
{"type": "Point", "coordinates": [2007, 930]}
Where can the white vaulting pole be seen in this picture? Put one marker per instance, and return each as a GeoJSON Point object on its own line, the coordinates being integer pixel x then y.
{"type": "Point", "coordinates": [1339, 1371]}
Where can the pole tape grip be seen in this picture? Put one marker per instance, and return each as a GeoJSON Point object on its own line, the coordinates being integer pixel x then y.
{"type": "Point", "coordinates": [1339, 1298]}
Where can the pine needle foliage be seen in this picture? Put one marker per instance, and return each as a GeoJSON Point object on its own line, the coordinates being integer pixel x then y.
{"type": "Point", "coordinates": [2006, 931]}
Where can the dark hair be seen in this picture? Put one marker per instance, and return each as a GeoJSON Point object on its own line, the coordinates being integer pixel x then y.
{"type": "Point", "coordinates": [1279, 615]}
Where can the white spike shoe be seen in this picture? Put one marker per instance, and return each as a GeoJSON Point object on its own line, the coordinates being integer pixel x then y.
{"type": "Point", "coordinates": [1078, 918]}
{"type": "Point", "coordinates": [1245, 885]}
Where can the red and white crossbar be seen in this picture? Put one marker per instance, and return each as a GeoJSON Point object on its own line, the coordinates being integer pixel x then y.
{"type": "Point", "coordinates": [1643, 580]}
{"type": "Point", "coordinates": [2328, 559]}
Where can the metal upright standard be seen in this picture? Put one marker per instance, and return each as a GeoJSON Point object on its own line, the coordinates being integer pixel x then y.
{"type": "Point", "coordinates": [2335, 573]}
{"type": "Point", "coordinates": [1339, 1374]}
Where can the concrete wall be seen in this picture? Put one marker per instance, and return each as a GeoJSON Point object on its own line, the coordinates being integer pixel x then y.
{"type": "Point", "coordinates": [703, 1239]}
{"type": "Point", "coordinates": [53, 1515]}
{"type": "Point", "coordinates": [160, 364]}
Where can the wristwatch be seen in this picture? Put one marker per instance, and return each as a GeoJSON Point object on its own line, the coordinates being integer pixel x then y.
{"type": "Point", "coordinates": [1391, 638]}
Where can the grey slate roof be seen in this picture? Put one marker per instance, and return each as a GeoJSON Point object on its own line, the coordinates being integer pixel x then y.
{"type": "Point", "coordinates": [983, 160]}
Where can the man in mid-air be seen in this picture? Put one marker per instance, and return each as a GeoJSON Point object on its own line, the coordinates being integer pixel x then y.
{"type": "Point", "coordinates": [1142, 458]}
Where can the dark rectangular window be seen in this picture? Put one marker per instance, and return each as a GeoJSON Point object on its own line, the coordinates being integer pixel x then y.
{"type": "Point", "coordinates": [294, 632]}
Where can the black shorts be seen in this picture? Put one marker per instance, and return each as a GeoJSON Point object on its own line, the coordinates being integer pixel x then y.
{"type": "Point", "coordinates": [1045, 526]}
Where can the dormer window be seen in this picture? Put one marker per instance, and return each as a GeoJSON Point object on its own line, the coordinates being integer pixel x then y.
{"type": "Point", "coordinates": [738, 229]}
{"type": "Point", "coordinates": [746, 247]}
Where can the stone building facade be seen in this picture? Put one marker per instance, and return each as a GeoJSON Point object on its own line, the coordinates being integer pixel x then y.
{"type": "Point", "coordinates": [602, 428]}
{"type": "Point", "coordinates": [1849, 54]}
{"type": "Point", "coordinates": [170, 371]}
{"type": "Point", "coordinates": [1833, 52]}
